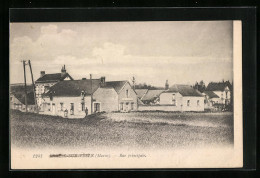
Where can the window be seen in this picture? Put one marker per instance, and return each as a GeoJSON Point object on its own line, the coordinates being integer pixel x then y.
{"type": "Point", "coordinates": [188, 102]}
{"type": "Point", "coordinates": [198, 102]}
{"type": "Point", "coordinates": [11, 98]}
{"type": "Point", "coordinates": [127, 93]}
{"type": "Point", "coordinates": [173, 99]}
{"type": "Point", "coordinates": [61, 106]}
{"type": "Point", "coordinates": [132, 106]}
{"type": "Point", "coordinates": [121, 106]}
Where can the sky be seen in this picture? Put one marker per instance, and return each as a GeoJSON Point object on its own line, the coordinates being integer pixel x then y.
{"type": "Point", "coordinates": [181, 52]}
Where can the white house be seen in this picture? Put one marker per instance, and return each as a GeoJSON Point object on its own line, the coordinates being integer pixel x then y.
{"type": "Point", "coordinates": [43, 84]}
{"type": "Point", "coordinates": [178, 98]}
{"type": "Point", "coordinates": [222, 90]}
{"type": "Point", "coordinates": [210, 99]}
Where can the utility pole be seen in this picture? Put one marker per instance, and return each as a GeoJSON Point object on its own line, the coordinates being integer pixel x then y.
{"type": "Point", "coordinates": [25, 87]}
{"type": "Point", "coordinates": [35, 101]}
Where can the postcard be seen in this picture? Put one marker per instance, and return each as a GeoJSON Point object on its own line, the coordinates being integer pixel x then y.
{"type": "Point", "coordinates": [126, 95]}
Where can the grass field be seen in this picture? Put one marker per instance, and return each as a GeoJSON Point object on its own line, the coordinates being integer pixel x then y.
{"type": "Point", "coordinates": [132, 130]}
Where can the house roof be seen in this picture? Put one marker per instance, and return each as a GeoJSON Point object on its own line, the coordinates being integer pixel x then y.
{"type": "Point", "coordinates": [74, 87]}
{"type": "Point", "coordinates": [141, 92]}
{"type": "Point", "coordinates": [19, 88]}
{"type": "Point", "coordinates": [218, 86]}
{"type": "Point", "coordinates": [211, 94]}
{"type": "Point", "coordinates": [117, 85]}
{"type": "Point", "coordinates": [53, 77]}
{"type": "Point", "coordinates": [152, 95]}
{"type": "Point", "coordinates": [184, 90]}
{"type": "Point", "coordinates": [21, 98]}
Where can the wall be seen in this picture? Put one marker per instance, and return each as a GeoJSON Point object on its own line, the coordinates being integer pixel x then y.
{"type": "Point", "coordinates": [108, 99]}
{"type": "Point", "coordinates": [181, 103]}
{"type": "Point", "coordinates": [40, 89]}
{"type": "Point", "coordinates": [166, 99]}
{"type": "Point", "coordinates": [193, 103]}
{"type": "Point", "coordinates": [158, 108]}
{"type": "Point", "coordinates": [123, 98]}
{"type": "Point", "coordinates": [78, 113]}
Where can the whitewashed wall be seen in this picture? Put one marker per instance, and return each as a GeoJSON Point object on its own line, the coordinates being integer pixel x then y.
{"type": "Point", "coordinates": [108, 99]}
{"type": "Point", "coordinates": [78, 113]}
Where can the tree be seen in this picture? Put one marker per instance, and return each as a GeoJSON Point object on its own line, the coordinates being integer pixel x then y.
{"type": "Point", "coordinates": [201, 87]}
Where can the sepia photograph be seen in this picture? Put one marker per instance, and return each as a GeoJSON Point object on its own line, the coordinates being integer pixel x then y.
{"type": "Point", "coordinates": [119, 95]}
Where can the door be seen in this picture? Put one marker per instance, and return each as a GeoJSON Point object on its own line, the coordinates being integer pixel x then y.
{"type": "Point", "coordinates": [127, 108]}
{"type": "Point", "coordinates": [71, 108]}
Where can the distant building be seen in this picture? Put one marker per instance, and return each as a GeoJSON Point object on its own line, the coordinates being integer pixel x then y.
{"type": "Point", "coordinates": [183, 98]}
{"type": "Point", "coordinates": [94, 95]}
{"type": "Point", "coordinates": [210, 99]}
{"type": "Point", "coordinates": [17, 98]}
{"type": "Point", "coordinates": [176, 98]}
{"type": "Point", "coordinates": [43, 84]}
{"type": "Point", "coordinates": [151, 96]}
{"type": "Point", "coordinates": [222, 90]}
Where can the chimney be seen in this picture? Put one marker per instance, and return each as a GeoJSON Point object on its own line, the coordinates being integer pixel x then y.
{"type": "Point", "coordinates": [166, 85]}
{"type": "Point", "coordinates": [103, 81]}
{"type": "Point", "coordinates": [63, 70]}
{"type": "Point", "coordinates": [42, 73]}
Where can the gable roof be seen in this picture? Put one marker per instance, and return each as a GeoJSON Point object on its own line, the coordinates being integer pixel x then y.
{"type": "Point", "coordinates": [152, 95]}
{"type": "Point", "coordinates": [74, 87]}
{"type": "Point", "coordinates": [211, 94]}
{"type": "Point", "coordinates": [117, 85]}
{"type": "Point", "coordinates": [218, 86]}
{"type": "Point", "coordinates": [141, 92]}
{"type": "Point", "coordinates": [184, 90]}
{"type": "Point", "coordinates": [52, 78]}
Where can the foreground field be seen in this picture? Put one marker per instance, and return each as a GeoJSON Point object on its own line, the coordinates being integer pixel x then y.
{"type": "Point", "coordinates": [132, 130]}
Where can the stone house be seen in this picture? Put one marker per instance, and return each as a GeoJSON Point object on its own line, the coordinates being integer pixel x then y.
{"type": "Point", "coordinates": [46, 81]}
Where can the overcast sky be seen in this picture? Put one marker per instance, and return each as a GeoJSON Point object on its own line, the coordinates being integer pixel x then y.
{"type": "Point", "coordinates": [182, 52]}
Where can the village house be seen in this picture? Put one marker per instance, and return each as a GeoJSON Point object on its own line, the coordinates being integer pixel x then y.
{"type": "Point", "coordinates": [222, 90]}
{"type": "Point", "coordinates": [72, 98]}
{"type": "Point", "coordinates": [178, 98]}
{"type": "Point", "coordinates": [17, 98]}
{"type": "Point", "coordinates": [151, 96]}
{"type": "Point", "coordinates": [45, 81]}
{"type": "Point", "coordinates": [210, 99]}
